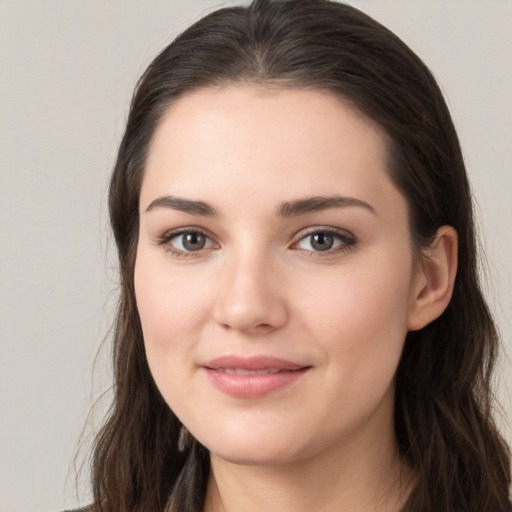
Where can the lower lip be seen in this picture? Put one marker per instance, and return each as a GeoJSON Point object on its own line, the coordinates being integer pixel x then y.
{"type": "Point", "coordinates": [253, 386]}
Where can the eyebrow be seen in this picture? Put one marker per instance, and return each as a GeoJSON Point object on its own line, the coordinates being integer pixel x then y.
{"type": "Point", "coordinates": [320, 203]}
{"type": "Point", "coordinates": [285, 209]}
{"type": "Point", "coordinates": [183, 205]}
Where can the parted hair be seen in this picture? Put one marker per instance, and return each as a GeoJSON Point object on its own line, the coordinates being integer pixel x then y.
{"type": "Point", "coordinates": [444, 425]}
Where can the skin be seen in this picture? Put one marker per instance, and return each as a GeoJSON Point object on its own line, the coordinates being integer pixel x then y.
{"type": "Point", "coordinates": [259, 287]}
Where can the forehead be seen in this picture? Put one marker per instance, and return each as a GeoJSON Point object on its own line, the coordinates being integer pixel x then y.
{"type": "Point", "coordinates": [265, 142]}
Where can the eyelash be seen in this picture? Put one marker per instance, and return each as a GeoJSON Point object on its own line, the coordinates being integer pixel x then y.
{"type": "Point", "coordinates": [168, 237]}
{"type": "Point", "coordinates": [346, 241]}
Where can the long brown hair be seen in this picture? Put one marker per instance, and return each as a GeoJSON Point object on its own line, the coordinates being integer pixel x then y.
{"type": "Point", "coordinates": [444, 426]}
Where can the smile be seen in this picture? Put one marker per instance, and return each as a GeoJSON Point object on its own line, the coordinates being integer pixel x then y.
{"type": "Point", "coordinates": [253, 377]}
{"type": "Point", "coordinates": [241, 371]}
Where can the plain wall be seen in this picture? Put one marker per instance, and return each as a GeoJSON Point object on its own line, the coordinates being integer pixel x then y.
{"type": "Point", "coordinates": [68, 68]}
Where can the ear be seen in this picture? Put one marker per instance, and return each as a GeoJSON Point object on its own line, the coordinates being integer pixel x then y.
{"type": "Point", "coordinates": [435, 277]}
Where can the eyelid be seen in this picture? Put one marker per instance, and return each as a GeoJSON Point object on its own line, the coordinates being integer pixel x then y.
{"type": "Point", "coordinates": [168, 236]}
{"type": "Point", "coordinates": [344, 233]}
{"type": "Point", "coordinates": [348, 239]}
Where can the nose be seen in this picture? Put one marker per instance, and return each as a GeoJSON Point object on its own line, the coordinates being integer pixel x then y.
{"type": "Point", "coordinates": [250, 297]}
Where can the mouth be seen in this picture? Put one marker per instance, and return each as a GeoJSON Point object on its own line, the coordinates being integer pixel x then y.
{"type": "Point", "coordinates": [242, 371]}
{"type": "Point", "coordinates": [252, 377]}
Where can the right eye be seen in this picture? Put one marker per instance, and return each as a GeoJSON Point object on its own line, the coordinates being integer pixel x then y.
{"type": "Point", "coordinates": [184, 243]}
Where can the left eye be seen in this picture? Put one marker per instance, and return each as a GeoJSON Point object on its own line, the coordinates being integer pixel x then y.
{"type": "Point", "coordinates": [322, 241]}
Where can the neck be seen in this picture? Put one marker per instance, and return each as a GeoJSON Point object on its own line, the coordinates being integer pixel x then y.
{"type": "Point", "coordinates": [355, 477]}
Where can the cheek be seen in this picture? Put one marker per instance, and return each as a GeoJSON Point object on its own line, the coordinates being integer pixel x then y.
{"type": "Point", "coordinates": [359, 317]}
{"type": "Point", "coordinates": [171, 306]}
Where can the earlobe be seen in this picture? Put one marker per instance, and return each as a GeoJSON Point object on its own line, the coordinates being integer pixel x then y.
{"type": "Point", "coordinates": [435, 280]}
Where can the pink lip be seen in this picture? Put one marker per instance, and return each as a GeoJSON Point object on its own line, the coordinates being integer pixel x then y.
{"type": "Point", "coordinates": [229, 374]}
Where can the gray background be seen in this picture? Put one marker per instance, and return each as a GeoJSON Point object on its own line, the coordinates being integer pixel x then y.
{"type": "Point", "coordinates": [68, 68]}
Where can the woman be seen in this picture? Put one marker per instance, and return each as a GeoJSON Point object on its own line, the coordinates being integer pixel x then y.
{"type": "Point", "coordinates": [301, 325]}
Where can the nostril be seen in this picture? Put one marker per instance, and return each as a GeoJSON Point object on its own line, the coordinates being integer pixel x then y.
{"type": "Point", "coordinates": [262, 327]}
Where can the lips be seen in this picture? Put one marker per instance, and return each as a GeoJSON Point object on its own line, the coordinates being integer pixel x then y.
{"type": "Point", "coordinates": [242, 371]}
{"type": "Point", "coordinates": [252, 377]}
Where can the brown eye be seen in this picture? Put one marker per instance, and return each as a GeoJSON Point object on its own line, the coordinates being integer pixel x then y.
{"type": "Point", "coordinates": [327, 241]}
{"type": "Point", "coordinates": [322, 241]}
{"type": "Point", "coordinates": [193, 241]}
{"type": "Point", "coordinates": [187, 242]}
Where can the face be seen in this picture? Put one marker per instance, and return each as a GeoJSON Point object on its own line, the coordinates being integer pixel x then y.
{"type": "Point", "coordinates": [274, 275]}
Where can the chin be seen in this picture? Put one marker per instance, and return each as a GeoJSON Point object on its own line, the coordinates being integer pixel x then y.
{"type": "Point", "coordinates": [253, 452]}
{"type": "Point", "coordinates": [253, 459]}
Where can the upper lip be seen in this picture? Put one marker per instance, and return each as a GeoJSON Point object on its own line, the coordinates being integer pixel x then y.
{"type": "Point", "coordinates": [253, 363]}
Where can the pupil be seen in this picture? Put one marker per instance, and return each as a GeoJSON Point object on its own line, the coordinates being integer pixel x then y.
{"type": "Point", "coordinates": [193, 241]}
{"type": "Point", "coordinates": [322, 241]}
